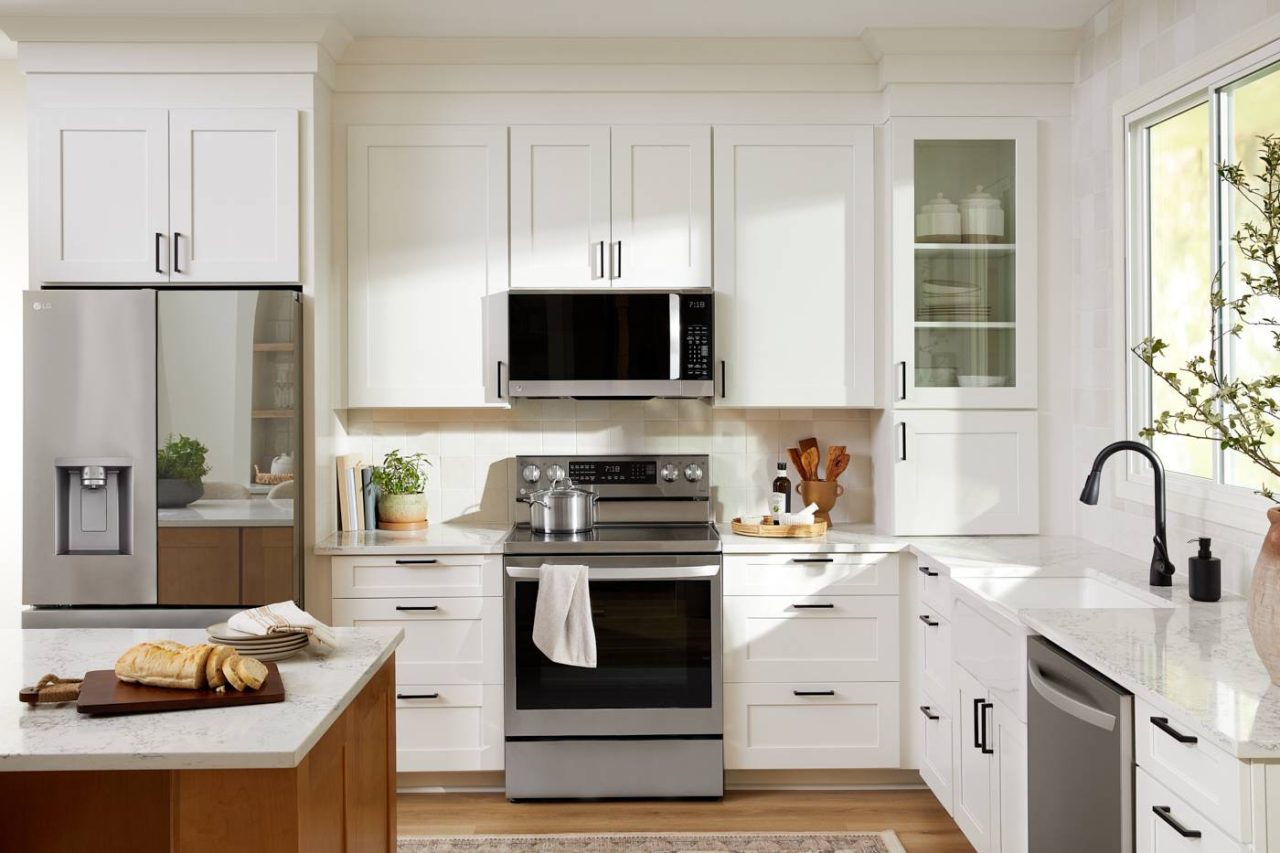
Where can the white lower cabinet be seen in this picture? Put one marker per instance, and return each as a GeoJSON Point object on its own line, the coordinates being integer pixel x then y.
{"type": "Point", "coordinates": [806, 725]}
{"type": "Point", "coordinates": [935, 655]}
{"type": "Point", "coordinates": [1010, 798]}
{"type": "Point", "coordinates": [448, 727]}
{"type": "Point", "coordinates": [989, 798]}
{"type": "Point", "coordinates": [938, 734]}
{"type": "Point", "coordinates": [449, 700]}
{"type": "Point", "coordinates": [1165, 823]}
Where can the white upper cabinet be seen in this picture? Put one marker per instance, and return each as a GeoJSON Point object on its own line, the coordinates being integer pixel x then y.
{"type": "Point", "coordinates": [794, 266]}
{"type": "Point", "coordinates": [150, 196]}
{"type": "Point", "coordinates": [233, 200]}
{"type": "Point", "coordinates": [560, 206]}
{"type": "Point", "coordinates": [962, 473]}
{"type": "Point", "coordinates": [101, 194]}
{"type": "Point", "coordinates": [427, 264]}
{"type": "Point", "coordinates": [964, 263]}
{"type": "Point", "coordinates": [661, 207]}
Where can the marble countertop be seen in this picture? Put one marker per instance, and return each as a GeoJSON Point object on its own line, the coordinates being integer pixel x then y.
{"type": "Point", "coordinates": [318, 688]}
{"type": "Point", "coordinates": [252, 512]}
{"type": "Point", "coordinates": [436, 539]}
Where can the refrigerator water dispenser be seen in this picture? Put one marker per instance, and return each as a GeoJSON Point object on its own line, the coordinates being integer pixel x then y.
{"type": "Point", "coordinates": [94, 497]}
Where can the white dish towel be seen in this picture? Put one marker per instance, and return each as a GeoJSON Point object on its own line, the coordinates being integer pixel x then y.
{"type": "Point", "coordinates": [283, 617]}
{"type": "Point", "coordinates": [562, 626]}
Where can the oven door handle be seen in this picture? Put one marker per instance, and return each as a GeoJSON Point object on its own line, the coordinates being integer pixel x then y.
{"type": "Point", "coordinates": [620, 573]}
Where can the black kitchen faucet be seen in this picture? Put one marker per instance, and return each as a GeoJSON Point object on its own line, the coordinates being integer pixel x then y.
{"type": "Point", "coordinates": [1161, 568]}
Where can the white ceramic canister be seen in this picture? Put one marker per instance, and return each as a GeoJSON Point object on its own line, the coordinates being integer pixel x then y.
{"type": "Point", "coordinates": [981, 217]}
{"type": "Point", "coordinates": [938, 221]}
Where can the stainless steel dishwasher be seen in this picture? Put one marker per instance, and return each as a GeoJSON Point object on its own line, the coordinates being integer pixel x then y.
{"type": "Point", "coordinates": [1079, 756]}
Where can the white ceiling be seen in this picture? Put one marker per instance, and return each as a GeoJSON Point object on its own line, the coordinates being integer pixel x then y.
{"type": "Point", "coordinates": [609, 18]}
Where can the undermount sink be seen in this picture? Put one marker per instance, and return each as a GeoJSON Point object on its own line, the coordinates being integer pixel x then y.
{"type": "Point", "coordinates": [1059, 593]}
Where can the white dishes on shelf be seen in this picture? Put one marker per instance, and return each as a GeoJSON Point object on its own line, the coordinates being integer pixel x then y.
{"type": "Point", "coordinates": [981, 381]}
{"type": "Point", "coordinates": [264, 648]}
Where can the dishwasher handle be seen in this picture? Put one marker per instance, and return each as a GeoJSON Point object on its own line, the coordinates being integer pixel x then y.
{"type": "Point", "coordinates": [1066, 704]}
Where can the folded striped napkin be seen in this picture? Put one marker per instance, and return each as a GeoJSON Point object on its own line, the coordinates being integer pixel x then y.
{"type": "Point", "coordinates": [283, 617]}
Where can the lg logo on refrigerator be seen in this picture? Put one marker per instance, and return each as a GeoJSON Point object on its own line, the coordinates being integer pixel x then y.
{"type": "Point", "coordinates": [42, 306]}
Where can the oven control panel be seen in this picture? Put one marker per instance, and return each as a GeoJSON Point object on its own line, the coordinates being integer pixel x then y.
{"type": "Point", "coordinates": [674, 476]}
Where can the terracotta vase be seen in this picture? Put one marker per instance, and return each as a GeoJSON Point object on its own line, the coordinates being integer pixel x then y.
{"type": "Point", "coordinates": [823, 494]}
{"type": "Point", "coordinates": [1264, 599]}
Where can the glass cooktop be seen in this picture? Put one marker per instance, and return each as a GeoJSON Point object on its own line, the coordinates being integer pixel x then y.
{"type": "Point", "coordinates": [618, 539]}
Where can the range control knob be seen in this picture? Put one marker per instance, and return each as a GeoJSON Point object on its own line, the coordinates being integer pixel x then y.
{"type": "Point", "coordinates": [692, 472]}
{"type": "Point", "coordinates": [555, 472]}
{"type": "Point", "coordinates": [531, 473]}
{"type": "Point", "coordinates": [669, 473]}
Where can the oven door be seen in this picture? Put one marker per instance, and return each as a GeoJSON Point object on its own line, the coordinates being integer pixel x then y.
{"type": "Point", "coordinates": [658, 651]}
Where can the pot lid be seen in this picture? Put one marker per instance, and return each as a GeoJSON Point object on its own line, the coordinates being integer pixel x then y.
{"type": "Point", "coordinates": [978, 198]}
{"type": "Point", "coordinates": [939, 204]}
{"type": "Point", "coordinates": [562, 487]}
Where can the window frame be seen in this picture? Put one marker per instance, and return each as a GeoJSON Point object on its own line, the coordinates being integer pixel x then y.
{"type": "Point", "coordinates": [1212, 500]}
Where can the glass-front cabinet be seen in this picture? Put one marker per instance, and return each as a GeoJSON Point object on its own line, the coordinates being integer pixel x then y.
{"type": "Point", "coordinates": [964, 263]}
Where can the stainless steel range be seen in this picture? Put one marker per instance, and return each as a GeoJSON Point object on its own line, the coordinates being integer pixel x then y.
{"type": "Point", "coordinates": [647, 721]}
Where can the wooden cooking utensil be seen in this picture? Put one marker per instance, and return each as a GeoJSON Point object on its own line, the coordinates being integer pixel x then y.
{"type": "Point", "coordinates": [810, 459]}
{"type": "Point", "coordinates": [841, 463]}
{"type": "Point", "coordinates": [833, 453]}
{"type": "Point", "coordinates": [797, 461]}
{"type": "Point", "coordinates": [807, 444]}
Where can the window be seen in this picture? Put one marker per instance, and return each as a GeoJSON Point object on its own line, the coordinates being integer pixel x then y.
{"type": "Point", "coordinates": [1182, 221]}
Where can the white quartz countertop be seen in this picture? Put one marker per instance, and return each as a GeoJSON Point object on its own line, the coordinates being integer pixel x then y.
{"type": "Point", "coordinates": [436, 539]}
{"type": "Point", "coordinates": [251, 512]}
{"type": "Point", "coordinates": [318, 688]}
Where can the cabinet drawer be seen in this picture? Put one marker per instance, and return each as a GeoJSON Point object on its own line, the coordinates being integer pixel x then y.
{"type": "Point", "coordinates": [1156, 834]}
{"type": "Point", "coordinates": [935, 757]}
{"type": "Point", "coordinates": [935, 652]}
{"type": "Point", "coordinates": [811, 574]}
{"type": "Point", "coordinates": [810, 725]}
{"type": "Point", "coordinates": [417, 575]}
{"type": "Point", "coordinates": [448, 727]}
{"type": "Point", "coordinates": [811, 638]}
{"type": "Point", "coordinates": [933, 582]}
{"type": "Point", "coordinates": [446, 640]}
{"type": "Point", "coordinates": [1209, 779]}
{"type": "Point", "coordinates": [992, 652]}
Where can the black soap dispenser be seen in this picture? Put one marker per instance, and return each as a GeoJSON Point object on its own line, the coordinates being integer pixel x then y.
{"type": "Point", "coordinates": [1205, 573]}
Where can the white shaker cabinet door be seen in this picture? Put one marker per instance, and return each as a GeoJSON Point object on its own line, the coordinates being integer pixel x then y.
{"type": "Point", "coordinates": [973, 781]}
{"type": "Point", "coordinates": [426, 264]}
{"type": "Point", "coordinates": [234, 202]}
{"type": "Point", "coordinates": [661, 224]}
{"type": "Point", "coordinates": [794, 262]}
{"type": "Point", "coordinates": [966, 473]}
{"type": "Point", "coordinates": [560, 206]}
{"type": "Point", "coordinates": [101, 195]}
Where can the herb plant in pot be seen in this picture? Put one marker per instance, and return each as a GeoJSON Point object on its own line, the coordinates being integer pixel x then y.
{"type": "Point", "coordinates": [180, 470]}
{"type": "Point", "coordinates": [401, 481]}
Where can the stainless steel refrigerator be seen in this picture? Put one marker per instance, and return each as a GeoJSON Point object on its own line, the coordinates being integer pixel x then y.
{"type": "Point", "coordinates": [124, 390]}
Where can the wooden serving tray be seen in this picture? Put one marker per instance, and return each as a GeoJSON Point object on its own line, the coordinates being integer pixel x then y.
{"type": "Point", "coordinates": [102, 693]}
{"type": "Point", "coordinates": [779, 531]}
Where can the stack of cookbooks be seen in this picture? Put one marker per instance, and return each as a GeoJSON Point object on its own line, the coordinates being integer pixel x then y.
{"type": "Point", "coordinates": [357, 495]}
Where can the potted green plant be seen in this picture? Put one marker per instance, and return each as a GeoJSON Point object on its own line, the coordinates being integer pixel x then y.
{"type": "Point", "coordinates": [180, 470]}
{"type": "Point", "coordinates": [401, 481]}
{"type": "Point", "coordinates": [1239, 412]}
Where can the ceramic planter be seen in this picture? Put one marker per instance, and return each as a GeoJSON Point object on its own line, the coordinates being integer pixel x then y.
{"type": "Point", "coordinates": [175, 494]}
{"type": "Point", "coordinates": [402, 509]}
{"type": "Point", "coordinates": [1264, 599]}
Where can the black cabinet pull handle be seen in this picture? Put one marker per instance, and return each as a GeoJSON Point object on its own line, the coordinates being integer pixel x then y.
{"type": "Point", "coordinates": [176, 237]}
{"type": "Point", "coordinates": [421, 607]}
{"type": "Point", "coordinates": [814, 692]}
{"type": "Point", "coordinates": [932, 623]}
{"type": "Point", "coordinates": [902, 380]}
{"type": "Point", "coordinates": [928, 713]}
{"type": "Point", "coordinates": [415, 562]}
{"type": "Point", "coordinates": [813, 560]}
{"type": "Point", "coordinates": [1165, 814]}
{"type": "Point", "coordinates": [158, 238]}
{"type": "Point", "coordinates": [928, 572]}
{"type": "Point", "coordinates": [977, 732]}
{"type": "Point", "coordinates": [986, 706]}
{"type": "Point", "coordinates": [723, 381]}
{"type": "Point", "coordinates": [813, 606]}
{"type": "Point", "coordinates": [902, 441]}
{"type": "Point", "coordinates": [499, 380]}
{"type": "Point", "coordinates": [1162, 723]}
{"type": "Point", "coordinates": [417, 695]}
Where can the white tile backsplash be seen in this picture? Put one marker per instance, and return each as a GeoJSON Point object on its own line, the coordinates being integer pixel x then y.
{"type": "Point", "coordinates": [471, 450]}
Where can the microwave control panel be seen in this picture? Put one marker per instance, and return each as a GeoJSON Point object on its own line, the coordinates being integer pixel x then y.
{"type": "Point", "coordinates": [696, 322]}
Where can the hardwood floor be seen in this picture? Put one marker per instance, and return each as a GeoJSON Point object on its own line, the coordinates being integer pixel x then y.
{"type": "Point", "coordinates": [921, 823]}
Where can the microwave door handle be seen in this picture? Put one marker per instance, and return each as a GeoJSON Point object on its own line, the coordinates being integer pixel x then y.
{"type": "Point", "coordinates": [675, 335]}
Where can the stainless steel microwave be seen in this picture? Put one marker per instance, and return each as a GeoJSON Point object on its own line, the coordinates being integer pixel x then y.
{"type": "Point", "coordinates": [593, 344]}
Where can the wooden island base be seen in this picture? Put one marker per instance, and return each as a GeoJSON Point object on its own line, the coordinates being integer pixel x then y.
{"type": "Point", "coordinates": [341, 797]}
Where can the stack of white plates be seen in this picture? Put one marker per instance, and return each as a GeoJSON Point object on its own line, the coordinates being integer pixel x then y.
{"type": "Point", "coordinates": [270, 647]}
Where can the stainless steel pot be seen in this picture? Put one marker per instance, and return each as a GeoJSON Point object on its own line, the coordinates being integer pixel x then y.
{"type": "Point", "coordinates": [563, 508]}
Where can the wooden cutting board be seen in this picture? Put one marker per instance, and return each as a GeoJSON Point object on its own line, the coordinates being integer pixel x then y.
{"type": "Point", "coordinates": [102, 693]}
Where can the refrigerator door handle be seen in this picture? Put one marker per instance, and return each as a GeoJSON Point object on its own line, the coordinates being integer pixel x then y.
{"type": "Point", "coordinates": [1083, 712]}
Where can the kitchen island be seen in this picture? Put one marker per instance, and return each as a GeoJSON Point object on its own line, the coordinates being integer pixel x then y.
{"type": "Point", "coordinates": [315, 772]}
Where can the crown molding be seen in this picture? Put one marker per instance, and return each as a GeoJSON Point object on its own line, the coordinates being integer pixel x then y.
{"type": "Point", "coordinates": [969, 41]}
